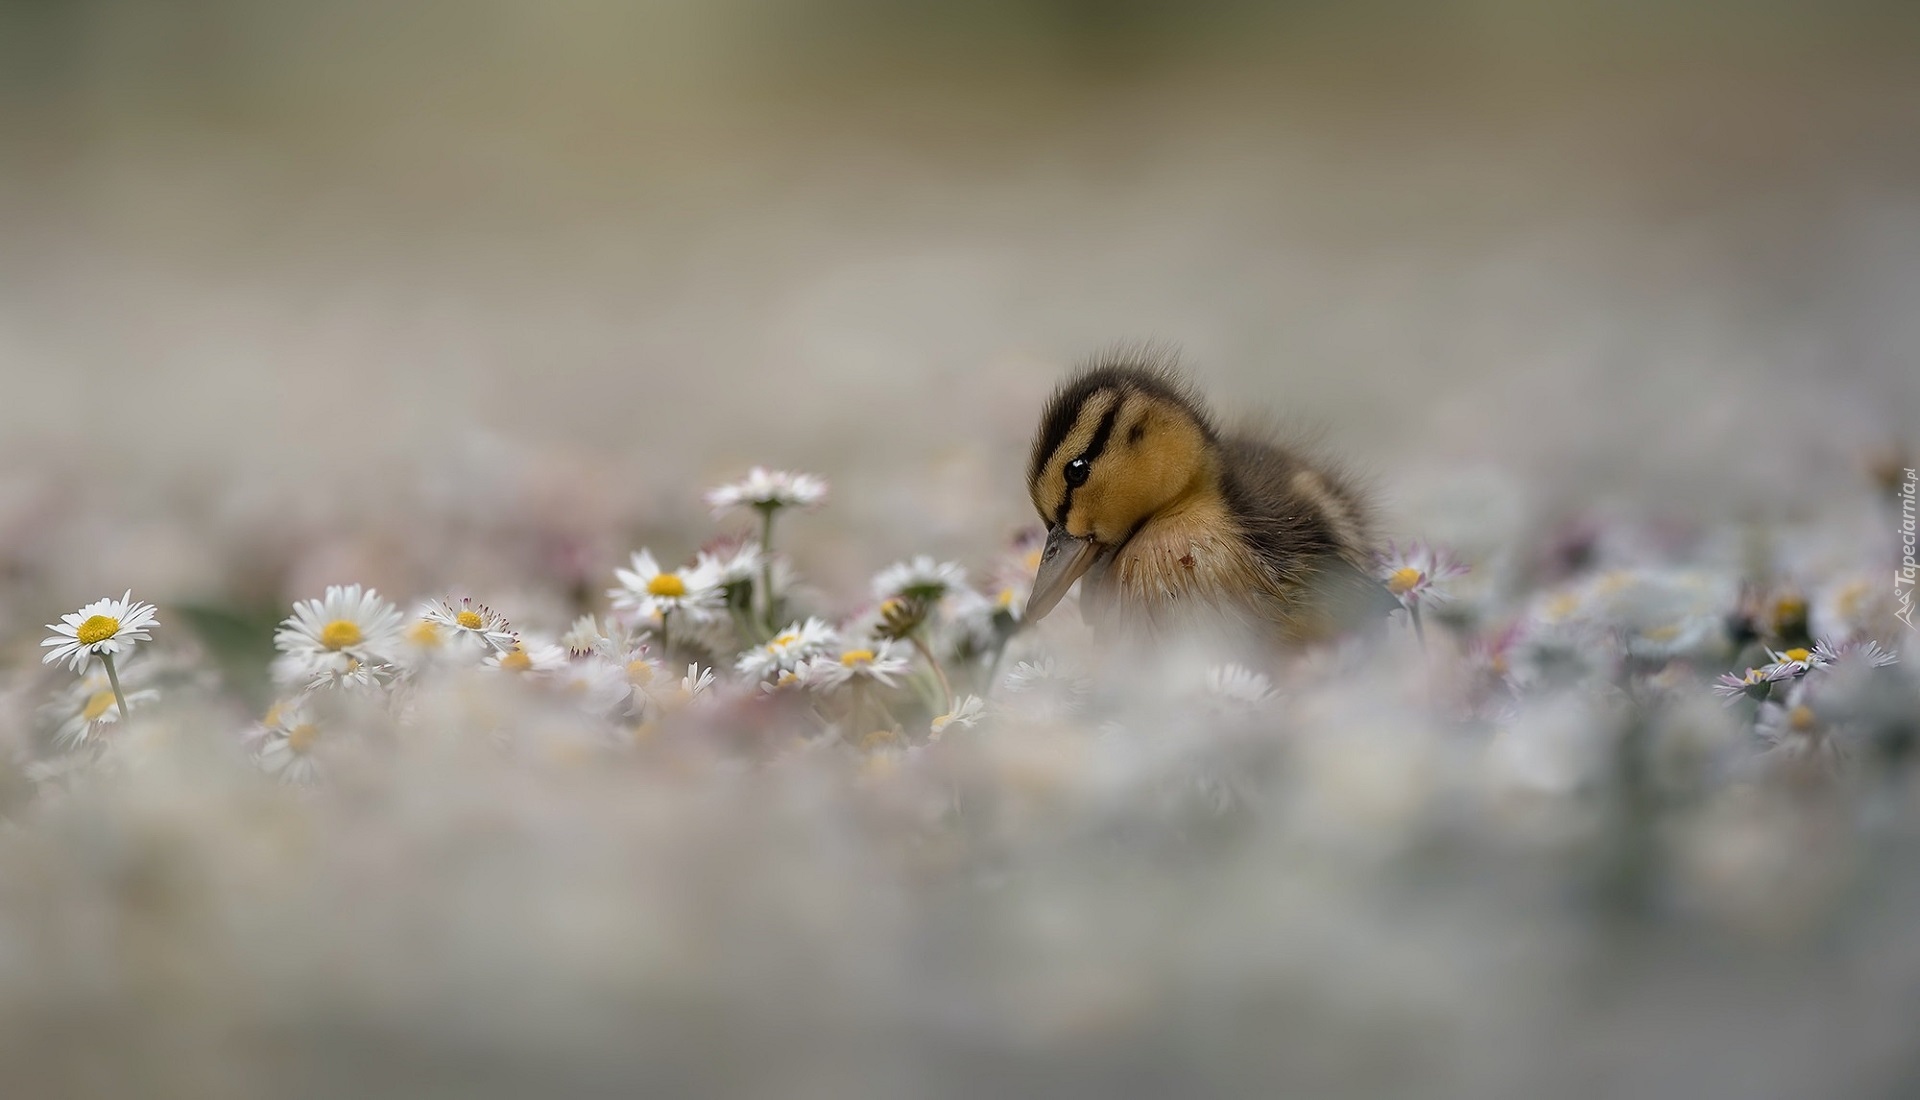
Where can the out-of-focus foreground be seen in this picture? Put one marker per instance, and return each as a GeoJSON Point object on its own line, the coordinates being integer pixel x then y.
{"type": "Point", "coordinates": [1613, 302]}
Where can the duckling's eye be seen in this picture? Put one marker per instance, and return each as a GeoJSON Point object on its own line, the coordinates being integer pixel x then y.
{"type": "Point", "coordinates": [1076, 472]}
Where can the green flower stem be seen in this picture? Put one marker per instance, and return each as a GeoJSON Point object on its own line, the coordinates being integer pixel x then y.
{"type": "Point", "coordinates": [666, 645]}
{"type": "Point", "coordinates": [767, 512]}
{"type": "Point", "coordinates": [999, 653]}
{"type": "Point", "coordinates": [946, 689]}
{"type": "Point", "coordinates": [113, 677]}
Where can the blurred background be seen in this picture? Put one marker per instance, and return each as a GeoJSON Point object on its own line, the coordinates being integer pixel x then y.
{"type": "Point", "coordinates": [321, 251]}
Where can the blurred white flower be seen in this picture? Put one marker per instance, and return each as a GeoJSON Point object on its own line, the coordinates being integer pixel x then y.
{"type": "Point", "coordinates": [469, 622]}
{"type": "Point", "coordinates": [585, 636]}
{"type": "Point", "coordinates": [337, 635]}
{"type": "Point", "coordinates": [1839, 655]}
{"type": "Point", "coordinates": [530, 654]}
{"type": "Point", "coordinates": [767, 489]}
{"type": "Point", "coordinates": [1239, 685]}
{"type": "Point", "coordinates": [1788, 663]}
{"type": "Point", "coordinates": [1752, 683]}
{"type": "Point", "coordinates": [1849, 606]}
{"type": "Point", "coordinates": [1416, 573]}
{"type": "Point", "coordinates": [882, 664]}
{"type": "Point", "coordinates": [696, 682]}
{"type": "Point", "coordinates": [596, 684]}
{"type": "Point", "coordinates": [648, 591]}
{"type": "Point", "coordinates": [84, 709]}
{"type": "Point", "coordinates": [731, 563]}
{"type": "Point", "coordinates": [103, 628]}
{"type": "Point", "coordinates": [966, 713]}
{"type": "Point", "coordinates": [1793, 729]}
{"type": "Point", "coordinates": [923, 578]}
{"type": "Point", "coordinates": [785, 651]}
{"type": "Point", "coordinates": [285, 742]}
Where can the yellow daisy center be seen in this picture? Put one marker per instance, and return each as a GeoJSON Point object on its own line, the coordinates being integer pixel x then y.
{"type": "Point", "coordinates": [1404, 580]}
{"type": "Point", "coordinates": [97, 705]}
{"type": "Point", "coordinates": [1801, 718]}
{"type": "Point", "coordinates": [425, 634]}
{"type": "Point", "coordinates": [273, 716]}
{"type": "Point", "coordinates": [639, 672]}
{"type": "Point", "coordinates": [469, 620]}
{"type": "Point", "coordinates": [517, 661]}
{"type": "Point", "coordinates": [340, 633]}
{"type": "Point", "coordinates": [1005, 598]}
{"type": "Point", "coordinates": [301, 737]}
{"type": "Point", "coordinates": [784, 640]}
{"type": "Point", "coordinates": [853, 657]}
{"type": "Point", "coordinates": [97, 628]}
{"type": "Point", "coordinates": [667, 585]}
{"type": "Point", "coordinates": [1789, 607]}
{"type": "Point", "coordinates": [1663, 633]}
{"type": "Point", "coordinates": [1797, 654]}
{"type": "Point", "coordinates": [880, 739]}
{"type": "Point", "coordinates": [1852, 598]}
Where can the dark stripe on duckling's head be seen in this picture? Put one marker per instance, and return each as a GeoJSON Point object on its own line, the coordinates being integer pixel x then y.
{"type": "Point", "coordinates": [1075, 472]}
{"type": "Point", "coordinates": [1110, 408]}
{"type": "Point", "coordinates": [1146, 373]}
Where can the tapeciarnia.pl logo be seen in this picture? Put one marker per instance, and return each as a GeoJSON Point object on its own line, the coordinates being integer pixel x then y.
{"type": "Point", "coordinates": [1903, 578]}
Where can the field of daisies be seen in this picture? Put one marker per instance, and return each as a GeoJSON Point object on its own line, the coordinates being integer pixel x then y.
{"type": "Point", "coordinates": [1602, 808]}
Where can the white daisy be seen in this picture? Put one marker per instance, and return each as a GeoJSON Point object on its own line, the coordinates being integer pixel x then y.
{"type": "Point", "coordinates": [695, 683]}
{"type": "Point", "coordinates": [765, 490]}
{"type": "Point", "coordinates": [1788, 663]}
{"type": "Point", "coordinates": [530, 654]}
{"type": "Point", "coordinates": [597, 684]}
{"type": "Point", "coordinates": [1237, 684]}
{"type": "Point", "coordinates": [731, 562]}
{"type": "Point", "coordinates": [881, 664]}
{"type": "Point", "coordinates": [104, 628]}
{"type": "Point", "coordinates": [1045, 690]}
{"type": "Point", "coordinates": [1416, 573]}
{"type": "Point", "coordinates": [785, 651]}
{"type": "Point", "coordinates": [1866, 654]}
{"type": "Point", "coordinates": [586, 636]}
{"type": "Point", "coordinates": [85, 709]}
{"type": "Point", "coordinates": [651, 592]}
{"type": "Point", "coordinates": [1752, 684]}
{"type": "Point", "coordinates": [919, 579]}
{"type": "Point", "coordinates": [1044, 674]}
{"type": "Point", "coordinates": [1850, 606]}
{"type": "Point", "coordinates": [1793, 729]}
{"type": "Point", "coordinates": [470, 622]}
{"type": "Point", "coordinates": [337, 635]}
{"type": "Point", "coordinates": [660, 695]}
{"type": "Point", "coordinates": [333, 673]}
{"type": "Point", "coordinates": [971, 623]}
{"type": "Point", "coordinates": [967, 712]}
{"type": "Point", "coordinates": [286, 739]}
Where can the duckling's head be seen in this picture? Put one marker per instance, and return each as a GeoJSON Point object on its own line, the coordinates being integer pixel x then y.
{"type": "Point", "coordinates": [1118, 443]}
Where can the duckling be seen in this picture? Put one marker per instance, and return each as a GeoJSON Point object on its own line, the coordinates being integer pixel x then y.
{"type": "Point", "coordinates": [1175, 526]}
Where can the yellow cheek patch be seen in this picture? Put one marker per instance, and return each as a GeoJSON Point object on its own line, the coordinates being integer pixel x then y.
{"type": "Point", "coordinates": [1135, 482]}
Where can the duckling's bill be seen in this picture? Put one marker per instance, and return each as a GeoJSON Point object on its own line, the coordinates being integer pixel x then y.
{"type": "Point", "coordinates": [1062, 561]}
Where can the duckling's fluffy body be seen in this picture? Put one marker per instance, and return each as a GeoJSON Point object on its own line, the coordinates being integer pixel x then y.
{"type": "Point", "coordinates": [1176, 526]}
